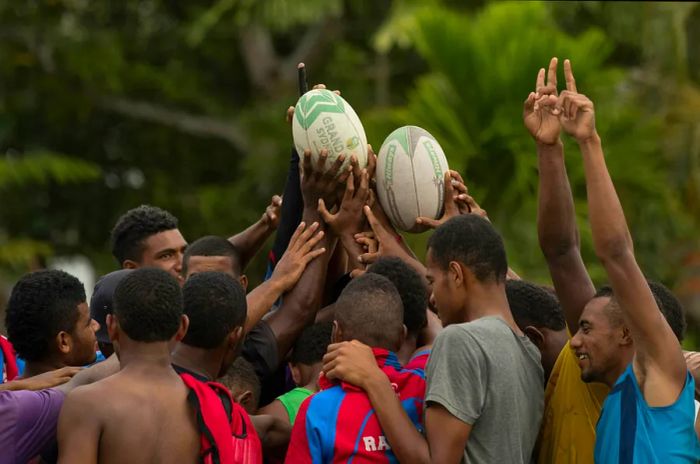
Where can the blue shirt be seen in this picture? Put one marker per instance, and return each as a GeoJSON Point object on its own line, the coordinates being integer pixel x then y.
{"type": "Point", "coordinates": [339, 425]}
{"type": "Point", "coordinates": [629, 431]}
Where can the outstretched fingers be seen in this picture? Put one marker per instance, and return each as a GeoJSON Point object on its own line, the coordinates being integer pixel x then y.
{"type": "Point", "coordinates": [552, 73]}
{"type": "Point", "coordinates": [379, 231]}
{"type": "Point", "coordinates": [539, 82]}
{"type": "Point", "coordinates": [569, 76]}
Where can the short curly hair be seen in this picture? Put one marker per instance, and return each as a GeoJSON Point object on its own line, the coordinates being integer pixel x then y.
{"type": "Point", "coordinates": [312, 344]}
{"type": "Point", "coordinates": [534, 305]}
{"type": "Point", "coordinates": [148, 305]}
{"type": "Point", "coordinates": [42, 304]}
{"type": "Point", "coordinates": [216, 304]}
{"type": "Point", "coordinates": [413, 292]}
{"type": "Point", "coordinates": [668, 304]}
{"type": "Point", "coordinates": [472, 241]}
{"type": "Point", "coordinates": [134, 227]}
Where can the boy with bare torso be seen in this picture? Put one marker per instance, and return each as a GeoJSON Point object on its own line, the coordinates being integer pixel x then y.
{"type": "Point", "coordinates": [141, 414]}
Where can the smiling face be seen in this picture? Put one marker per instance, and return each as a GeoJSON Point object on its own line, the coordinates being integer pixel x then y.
{"type": "Point", "coordinates": [599, 344]}
{"type": "Point", "coordinates": [443, 295]}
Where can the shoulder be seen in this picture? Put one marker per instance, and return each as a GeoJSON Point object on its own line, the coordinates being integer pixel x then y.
{"type": "Point", "coordinates": [24, 403]}
{"type": "Point", "coordinates": [88, 397]}
{"type": "Point", "coordinates": [458, 337]}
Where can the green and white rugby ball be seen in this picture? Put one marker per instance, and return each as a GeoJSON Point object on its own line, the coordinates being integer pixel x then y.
{"type": "Point", "coordinates": [411, 169]}
{"type": "Point", "coordinates": [323, 119]}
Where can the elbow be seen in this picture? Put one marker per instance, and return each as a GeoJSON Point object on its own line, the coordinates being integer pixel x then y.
{"type": "Point", "coordinates": [613, 251]}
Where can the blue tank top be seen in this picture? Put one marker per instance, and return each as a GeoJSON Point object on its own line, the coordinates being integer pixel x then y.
{"type": "Point", "coordinates": [631, 432]}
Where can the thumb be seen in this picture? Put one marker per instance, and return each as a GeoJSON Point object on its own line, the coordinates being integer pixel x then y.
{"type": "Point", "coordinates": [529, 105]}
{"type": "Point", "coordinates": [377, 227]}
{"type": "Point", "coordinates": [325, 214]}
{"type": "Point", "coordinates": [426, 221]}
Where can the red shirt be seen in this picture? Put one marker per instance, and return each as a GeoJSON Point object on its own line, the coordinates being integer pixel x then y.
{"type": "Point", "coordinates": [339, 424]}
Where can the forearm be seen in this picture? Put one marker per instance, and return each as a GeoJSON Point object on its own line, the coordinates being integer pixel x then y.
{"type": "Point", "coordinates": [352, 249]}
{"type": "Point", "coordinates": [303, 301]}
{"type": "Point", "coordinates": [274, 434]}
{"type": "Point", "coordinates": [558, 234]}
{"type": "Point", "coordinates": [406, 442]}
{"type": "Point", "coordinates": [251, 240]}
{"type": "Point", "coordinates": [611, 237]}
{"type": "Point", "coordinates": [291, 211]}
{"type": "Point", "coordinates": [556, 217]}
{"type": "Point", "coordinates": [14, 385]}
{"type": "Point", "coordinates": [260, 300]}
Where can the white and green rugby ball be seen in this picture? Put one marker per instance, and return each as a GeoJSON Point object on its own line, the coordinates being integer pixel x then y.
{"type": "Point", "coordinates": [411, 169]}
{"type": "Point", "coordinates": [323, 119]}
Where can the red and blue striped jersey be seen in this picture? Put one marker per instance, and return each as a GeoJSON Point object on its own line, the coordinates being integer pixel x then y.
{"type": "Point", "coordinates": [339, 425]}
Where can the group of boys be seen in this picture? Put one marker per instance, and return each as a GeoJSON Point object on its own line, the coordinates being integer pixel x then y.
{"type": "Point", "coordinates": [352, 350]}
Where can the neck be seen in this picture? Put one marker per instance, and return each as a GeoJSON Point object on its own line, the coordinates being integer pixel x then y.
{"type": "Point", "coordinates": [34, 368]}
{"type": "Point", "coordinates": [613, 374]}
{"type": "Point", "coordinates": [201, 361]}
{"type": "Point", "coordinates": [485, 300]}
{"type": "Point", "coordinates": [150, 358]}
{"type": "Point", "coordinates": [408, 347]}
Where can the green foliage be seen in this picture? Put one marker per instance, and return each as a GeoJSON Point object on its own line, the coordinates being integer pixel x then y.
{"type": "Point", "coordinates": [181, 104]}
{"type": "Point", "coordinates": [482, 66]}
{"type": "Point", "coordinates": [39, 168]}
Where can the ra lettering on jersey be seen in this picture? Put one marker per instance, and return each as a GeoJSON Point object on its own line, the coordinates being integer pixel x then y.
{"type": "Point", "coordinates": [338, 424]}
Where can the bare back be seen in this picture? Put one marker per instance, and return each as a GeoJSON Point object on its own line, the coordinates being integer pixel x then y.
{"type": "Point", "coordinates": [134, 419]}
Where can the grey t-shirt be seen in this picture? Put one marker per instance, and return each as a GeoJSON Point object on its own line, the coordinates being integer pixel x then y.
{"type": "Point", "coordinates": [487, 376]}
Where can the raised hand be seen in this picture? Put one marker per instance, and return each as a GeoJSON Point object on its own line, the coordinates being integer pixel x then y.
{"type": "Point", "coordinates": [317, 184]}
{"type": "Point", "coordinates": [299, 253]}
{"type": "Point", "coordinates": [271, 216]}
{"type": "Point", "coordinates": [575, 111]}
{"type": "Point", "coordinates": [539, 119]}
{"type": "Point", "coordinates": [349, 218]}
{"type": "Point", "coordinates": [456, 201]}
{"type": "Point", "coordinates": [389, 244]}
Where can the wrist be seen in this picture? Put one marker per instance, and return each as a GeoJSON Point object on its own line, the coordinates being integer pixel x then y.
{"type": "Point", "coordinates": [374, 381]}
{"type": "Point", "coordinates": [555, 147]}
{"type": "Point", "coordinates": [589, 141]}
{"type": "Point", "coordinates": [275, 284]}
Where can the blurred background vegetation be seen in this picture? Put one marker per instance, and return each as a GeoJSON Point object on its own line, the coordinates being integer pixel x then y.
{"type": "Point", "coordinates": [107, 105]}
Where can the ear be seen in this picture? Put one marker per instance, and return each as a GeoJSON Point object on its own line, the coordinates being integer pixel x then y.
{"type": "Point", "coordinates": [129, 264]}
{"type": "Point", "coordinates": [235, 336]}
{"type": "Point", "coordinates": [456, 274]}
{"type": "Point", "coordinates": [182, 330]}
{"type": "Point", "coordinates": [243, 279]}
{"type": "Point", "coordinates": [404, 334]}
{"type": "Point", "coordinates": [625, 336]}
{"type": "Point", "coordinates": [296, 374]}
{"type": "Point", "coordinates": [112, 328]}
{"type": "Point", "coordinates": [64, 342]}
{"type": "Point", "coordinates": [337, 333]}
{"type": "Point", "coordinates": [535, 336]}
{"type": "Point", "coordinates": [245, 398]}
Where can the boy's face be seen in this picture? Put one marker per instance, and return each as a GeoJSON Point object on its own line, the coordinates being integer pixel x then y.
{"type": "Point", "coordinates": [83, 340]}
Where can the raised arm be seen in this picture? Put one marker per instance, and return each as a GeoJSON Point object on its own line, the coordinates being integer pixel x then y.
{"type": "Point", "coordinates": [556, 217]}
{"type": "Point", "coordinates": [287, 272]}
{"type": "Point", "coordinates": [303, 301]}
{"type": "Point", "coordinates": [253, 238]}
{"type": "Point", "coordinates": [658, 362]}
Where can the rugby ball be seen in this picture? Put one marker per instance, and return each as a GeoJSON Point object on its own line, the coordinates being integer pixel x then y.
{"type": "Point", "coordinates": [323, 119]}
{"type": "Point", "coordinates": [410, 177]}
